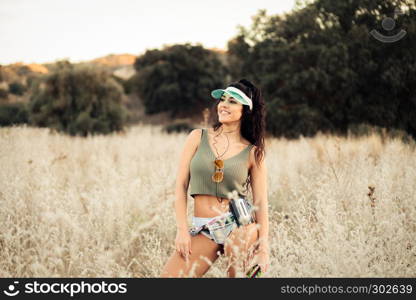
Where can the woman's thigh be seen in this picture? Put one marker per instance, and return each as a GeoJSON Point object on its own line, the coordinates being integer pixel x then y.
{"type": "Point", "coordinates": [240, 247]}
{"type": "Point", "coordinates": [203, 249]}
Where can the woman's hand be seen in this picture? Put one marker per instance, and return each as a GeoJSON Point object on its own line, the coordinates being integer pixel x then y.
{"type": "Point", "coordinates": [263, 259]}
{"type": "Point", "coordinates": [183, 243]}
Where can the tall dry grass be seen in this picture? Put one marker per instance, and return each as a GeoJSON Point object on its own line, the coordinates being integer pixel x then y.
{"type": "Point", "coordinates": [103, 206]}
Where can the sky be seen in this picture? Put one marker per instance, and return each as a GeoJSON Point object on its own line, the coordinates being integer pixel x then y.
{"type": "Point", "coordinates": [40, 31]}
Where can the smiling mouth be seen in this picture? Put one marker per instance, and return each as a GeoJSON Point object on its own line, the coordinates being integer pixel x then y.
{"type": "Point", "coordinates": [224, 113]}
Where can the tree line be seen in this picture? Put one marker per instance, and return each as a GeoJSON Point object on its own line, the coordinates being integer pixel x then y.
{"type": "Point", "coordinates": [319, 67]}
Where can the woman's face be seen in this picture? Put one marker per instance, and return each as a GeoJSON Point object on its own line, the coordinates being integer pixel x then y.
{"type": "Point", "coordinates": [229, 109]}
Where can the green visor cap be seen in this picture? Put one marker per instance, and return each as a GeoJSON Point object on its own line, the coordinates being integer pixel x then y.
{"type": "Point", "coordinates": [235, 93]}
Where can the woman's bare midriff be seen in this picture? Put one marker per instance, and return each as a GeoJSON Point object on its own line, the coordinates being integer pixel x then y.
{"type": "Point", "coordinates": [207, 206]}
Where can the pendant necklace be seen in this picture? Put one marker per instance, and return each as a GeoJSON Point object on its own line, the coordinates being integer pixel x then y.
{"type": "Point", "coordinates": [223, 206]}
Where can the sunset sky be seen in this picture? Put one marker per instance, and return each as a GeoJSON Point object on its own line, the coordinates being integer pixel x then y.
{"type": "Point", "coordinates": [38, 31]}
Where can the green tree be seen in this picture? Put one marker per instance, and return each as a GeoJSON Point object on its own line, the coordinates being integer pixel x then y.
{"type": "Point", "coordinates": [13, 114]}
{"type": "Point", "coordinates": [78, 100]}
{"type": "Point", "coordinates": [320, 69]}
{"type": "Point", "coordinates": [178, 79]}
{"type": "Point", "coordinates": [17, 88]}
{"type": "Point", "coordinates": [4, 94]}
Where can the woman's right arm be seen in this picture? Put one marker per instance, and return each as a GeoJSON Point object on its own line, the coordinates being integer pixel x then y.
{"type": "Point", "coordinates": [183, 240]}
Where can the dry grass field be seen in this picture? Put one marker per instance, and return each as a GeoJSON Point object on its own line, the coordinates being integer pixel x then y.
{"type": "Point", "coordinates": [103, 206]}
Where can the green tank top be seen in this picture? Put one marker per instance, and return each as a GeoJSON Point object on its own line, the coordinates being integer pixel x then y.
{"type": "Point", "coordinates": [202, 168]}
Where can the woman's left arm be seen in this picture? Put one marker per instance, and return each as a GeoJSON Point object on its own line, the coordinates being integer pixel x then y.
{"type": "Point", "coordinates": [259, 187]}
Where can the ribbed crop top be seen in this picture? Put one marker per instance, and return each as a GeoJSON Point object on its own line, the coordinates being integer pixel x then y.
{"type": "Point", "coordinates": [202, 168]}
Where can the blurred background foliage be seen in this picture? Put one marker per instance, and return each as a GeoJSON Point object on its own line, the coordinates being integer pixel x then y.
{"type": "Point", "coordinates": [78, 101]}
{"type": "Point", "coordinates": [318, 66]}
{"type": "Point", "coordinates": [178, 79]}
{"type": "Point", "coordinates": [320, 69]}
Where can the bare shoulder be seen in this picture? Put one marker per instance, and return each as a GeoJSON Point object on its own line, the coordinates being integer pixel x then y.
{"type": "Point", "coordinates": [191, 144]}
{"type": "Point", "coordinates": [195, 132]}
{"type": "Point", "coordinates": [252, 156]}
{"type": "Point", "coordinates": [194, 137]}
{"type": "Point", "coordinates": [189, 149]}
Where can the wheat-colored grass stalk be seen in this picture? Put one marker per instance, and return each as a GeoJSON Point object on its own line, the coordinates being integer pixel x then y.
{"type": "Point", "coordinates": [103, 206]}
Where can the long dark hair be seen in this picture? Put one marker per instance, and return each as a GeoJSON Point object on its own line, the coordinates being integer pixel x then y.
{"type": "Point", "coordinates": [253, 123]}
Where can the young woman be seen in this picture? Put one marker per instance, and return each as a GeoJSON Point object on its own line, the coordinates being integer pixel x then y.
{"type": "Point", "coordinates": [215, 161]}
